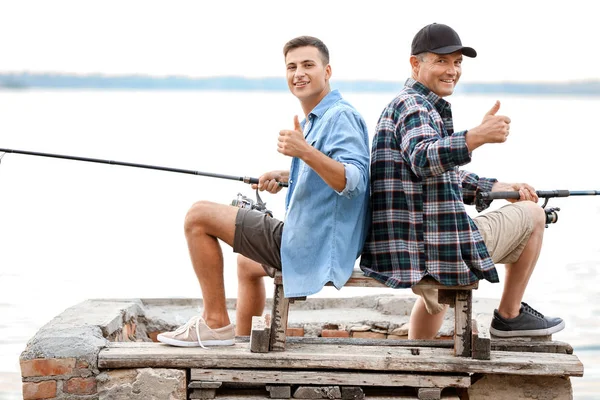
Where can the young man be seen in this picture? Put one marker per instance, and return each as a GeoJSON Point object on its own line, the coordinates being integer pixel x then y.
{"type": "Point", "coordinates": [326, 204]}
{"type": "Point", "coordinates": [419, 223]}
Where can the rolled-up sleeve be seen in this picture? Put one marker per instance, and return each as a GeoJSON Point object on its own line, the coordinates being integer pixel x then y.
{"type": "Point", "coordinates": [353, 179]}
{"type": "Point", "coordinates": [348, 143]}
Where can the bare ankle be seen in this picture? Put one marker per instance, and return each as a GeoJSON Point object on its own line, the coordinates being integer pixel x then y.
{"type": "Point", "coordinates": [507, 313]}
{"type": "Point", "coordinates": [217, 322]}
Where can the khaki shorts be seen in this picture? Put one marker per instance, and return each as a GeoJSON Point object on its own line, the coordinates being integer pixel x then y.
{"type": "Point", "coordinates": [505, 232]}
{"type": "Point", "coordinates": [258, 237]}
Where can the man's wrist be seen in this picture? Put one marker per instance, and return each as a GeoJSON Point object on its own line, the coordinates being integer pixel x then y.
{"type": "Point", "coordinates": [472, 137]}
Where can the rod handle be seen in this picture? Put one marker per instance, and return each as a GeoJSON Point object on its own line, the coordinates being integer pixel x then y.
{"type": "Point", "coordinates": [516, 195]}
{"type": "Point", "coordinates": [255, 181]}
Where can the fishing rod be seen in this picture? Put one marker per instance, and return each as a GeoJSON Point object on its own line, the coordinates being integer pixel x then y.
{"type": "Point", "coordinates": [241, 201]}
{"type": "Point", "coordinates": [551, 213]}
{"type": "Point", "coordinates": [244, 179]}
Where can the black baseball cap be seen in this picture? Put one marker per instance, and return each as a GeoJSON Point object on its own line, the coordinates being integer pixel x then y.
{"type": "Point", "coordinates": [439, 39]}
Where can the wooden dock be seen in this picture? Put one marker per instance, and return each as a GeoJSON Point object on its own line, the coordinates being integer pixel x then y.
{"type": "Point", "coordinates": [103, 349]}
{"type": "Point", "coordinates": [331, 367]}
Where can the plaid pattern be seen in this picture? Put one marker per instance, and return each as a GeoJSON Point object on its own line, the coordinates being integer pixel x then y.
{"type": "Point", "coordinates": [418, 194]}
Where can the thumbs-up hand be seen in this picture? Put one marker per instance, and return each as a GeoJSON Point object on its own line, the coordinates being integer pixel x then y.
{"type": "Point", "coordinates": [497, 126]}
{"type": "Point", "coordinates": [494, 109]}
{"type": "Point", "coordinates": [292, 143]}
{"type": "Point", "coordinates": [493, 129]}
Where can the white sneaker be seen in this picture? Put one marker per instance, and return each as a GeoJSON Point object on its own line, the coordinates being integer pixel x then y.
{"type": "Point", "coordinates": [195, 333]}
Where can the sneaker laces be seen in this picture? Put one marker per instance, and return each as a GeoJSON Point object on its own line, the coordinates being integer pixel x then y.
{"type": "Point", "coordinates": [192, 321]}
{"type": "Point", "coordinates": [531, 310]}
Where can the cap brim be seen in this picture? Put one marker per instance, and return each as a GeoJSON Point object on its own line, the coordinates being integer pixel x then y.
{"type": "Point", "coordinates": [467, 51]}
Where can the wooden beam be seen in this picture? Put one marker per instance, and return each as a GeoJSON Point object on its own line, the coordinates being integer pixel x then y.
{"type": "Point", "coordinates": [302, 377]}
{"type": "Point", "coordinates": [260, 336]}
{"type": "Point", "coordinates": [358, 279]}
{"type": "Point", "coordinates": [462, 323]}
{"type": "Point", "coordinates": [337, 357]}
{"type": "Point", "coordinates": [481, 346]}
{"type": "Point", "coordinates": [279, 319]}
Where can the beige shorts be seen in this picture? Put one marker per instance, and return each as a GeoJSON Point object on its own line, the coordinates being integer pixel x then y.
{"type": "Point", "coordinates": [505, 232]}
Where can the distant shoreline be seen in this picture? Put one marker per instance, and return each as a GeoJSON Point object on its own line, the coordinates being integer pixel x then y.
{"type": "Point", "coordinates": [25, 80]}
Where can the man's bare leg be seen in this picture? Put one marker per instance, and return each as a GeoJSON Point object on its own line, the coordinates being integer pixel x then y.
{"type": "Point", "coordinates": [423, 325]}
{"type": "Point", "coordinates": [251, 294]}
{"type": "Point", "coordinates": [518, 274]}
{"type": "Point", "coordinates": [205, 223]}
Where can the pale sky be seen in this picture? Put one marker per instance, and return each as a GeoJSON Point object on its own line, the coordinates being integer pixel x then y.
{"type": "Point", "coordinates": [368, 39]}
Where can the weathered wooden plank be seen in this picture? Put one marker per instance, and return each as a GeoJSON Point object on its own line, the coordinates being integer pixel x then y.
{"type": "Point", "coordinates": [447, 297]}
{"type": "Point", "coordinates": [442, 343]}
{"type": "Point", "coordinates": [260, 336]}
{"type": "Point", "coordinates": [208, 384]}
{"type": "Point", "coordinates": [497, 344]}
{"type": "Point", "coordinates": [481, 345]}
{"type": "Point", "coordinates": [532, 346]}
{"type": "Point", "coordinates": [279, 319]}
{"type": "Point", "coordinates": [352, 393]}
{"type": "Point", "coordinates": [318, 392]}
{"type": "Point", "coordinates": [363, 358]}
{"type": "Point", "coordinates": [462, 323]}
{"type": "Point", "coordinates": [403, 397]}
{"type": "Point", "coordinates": [430, 394]}
{"type": "Point", "coordinates": [358, 279]}
{"type": "Point", "coordinates": [302, 377]}
{"type": "Point", "coordinates": [279, 391]}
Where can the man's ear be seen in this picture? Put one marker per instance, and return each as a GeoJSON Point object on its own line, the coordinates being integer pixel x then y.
{"type": "Point", "coordinates": [328, 72]}
{"type": "Point", "coordinates": [414, 64]}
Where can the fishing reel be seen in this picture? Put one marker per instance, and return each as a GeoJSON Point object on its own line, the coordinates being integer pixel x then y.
{"type": "Point", "coordinates": [551, 215]}
{"type": "Point", "coordinates": [242, 201]}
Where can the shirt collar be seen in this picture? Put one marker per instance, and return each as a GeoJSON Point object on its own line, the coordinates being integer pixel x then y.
{"type": "Point", "coordinates": [439, 103]}
{"type": "Point", "coordinates": [331, 98]}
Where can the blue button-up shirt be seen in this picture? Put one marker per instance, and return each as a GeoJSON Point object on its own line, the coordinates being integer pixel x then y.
{"type": "Point", "coordinates": [325, 230]}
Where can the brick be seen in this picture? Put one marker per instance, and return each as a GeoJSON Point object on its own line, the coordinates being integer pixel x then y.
{"type": "Point", "coordinates": [128, 331]}
{"type": "Point", "coordinates": [153, 335]}
{"type": "Point", "coordinates": [295, 332]}
{"type": "Point", "coordinates": [81, 386]}
{"type": "Point", "coordinates": [368, 335]}
{"type": "Point", "coordinates": [82, 364]}
{"type": "Point", "coordinates": [335, 333]}
{"type": "Point", "coordinates": [47, 367]}
{"type": "Point", "coordinates": [39, 390]}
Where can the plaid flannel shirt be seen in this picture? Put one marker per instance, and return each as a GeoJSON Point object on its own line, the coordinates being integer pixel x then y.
{"type": "Point", "coordinates": [418, 194]}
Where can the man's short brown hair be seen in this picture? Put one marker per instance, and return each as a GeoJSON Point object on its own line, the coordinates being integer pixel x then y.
{"type": "Point", "coordinates": [302, 41]}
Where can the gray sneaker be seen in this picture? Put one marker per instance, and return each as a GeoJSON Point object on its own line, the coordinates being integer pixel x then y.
{"type": "Point", "coordinates": [529, 322]}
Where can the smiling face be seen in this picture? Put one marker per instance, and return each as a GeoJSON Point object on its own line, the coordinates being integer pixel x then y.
{"type": "Point", "coordinates": [439, 72]}
{"type": "Point", "coordinates": [307, 75]}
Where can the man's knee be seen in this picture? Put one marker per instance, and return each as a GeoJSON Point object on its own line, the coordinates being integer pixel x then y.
{"type": "Point", "coordinates": [537, 214]}
{"type": "Point", "coordinates": [248, 269]}
{"type": "Point", "coordinates": [196, 215]}
{"type": "Point", "coordinates": [213, 219]}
